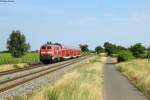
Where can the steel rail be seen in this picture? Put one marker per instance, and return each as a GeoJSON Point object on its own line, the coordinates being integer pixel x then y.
{"type": "Point", "coordinates": [37, 65]}
{"type": "Point", "coordinates": [43, 69]}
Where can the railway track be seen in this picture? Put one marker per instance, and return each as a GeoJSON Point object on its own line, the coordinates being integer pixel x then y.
{"type": "Point", "coordinates": [18, 80]}
{"type": "Point", "coordinates": [21, 69]}
{"type": "Point", "coordinates": [32, 66]}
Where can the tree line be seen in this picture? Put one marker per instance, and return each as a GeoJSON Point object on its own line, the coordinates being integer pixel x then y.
{"type": "Point", "coordinates": [18, 47]}
{"type": "Point", "coordinates": [122, 53]}
{"type": "Point", "coordinates": [134, 51]}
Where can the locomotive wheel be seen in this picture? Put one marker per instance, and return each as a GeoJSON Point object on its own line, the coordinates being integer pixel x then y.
{"type": "Point", "coordinates": [55, 60]}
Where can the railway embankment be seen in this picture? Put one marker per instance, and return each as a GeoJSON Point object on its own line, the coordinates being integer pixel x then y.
{"type": "Point", "coordinates": [39, 82]}
{"type": "Point", "coordinates": [83, 82]}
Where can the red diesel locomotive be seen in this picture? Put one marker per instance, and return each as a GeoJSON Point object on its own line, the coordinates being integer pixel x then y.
{"type": "Point", "coordinates": [56, 52]}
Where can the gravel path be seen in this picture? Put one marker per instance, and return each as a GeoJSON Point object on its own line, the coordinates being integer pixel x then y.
{"type": "Point", "coordinates": [117, 87]}
{"type": "Point", "coordinates": [37, 83]}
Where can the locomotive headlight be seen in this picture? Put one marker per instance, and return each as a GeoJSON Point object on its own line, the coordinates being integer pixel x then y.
{"type": "Point", "coordinates": [49, 52]}
{"type": "Point", "coordinates": [43, 52]}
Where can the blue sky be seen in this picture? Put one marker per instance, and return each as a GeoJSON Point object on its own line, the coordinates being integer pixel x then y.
{"type": "Point", "coordinates": [74, 22]}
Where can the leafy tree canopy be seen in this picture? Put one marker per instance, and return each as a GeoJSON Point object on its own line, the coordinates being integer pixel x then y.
{"type": "Point", "coordinates": [109, 48]}
{"type": "Point", "coordinates": [16, 44]}
{"type": "Point", "coordinates": [84, 47]}
{"type": "Point", "coordinates": [138, 50]}
{"type": "Point", "coordinates": [99, 49]}
{"type": "Point", "coordinates": [112, 48]}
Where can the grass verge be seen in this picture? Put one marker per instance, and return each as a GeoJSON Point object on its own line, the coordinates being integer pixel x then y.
{"type": "Point", "coordinates": [82, 83]}
{"type": "Point", "coordinates": [138, 72]}
{"type": "Point", "coordinates": [7, 67]}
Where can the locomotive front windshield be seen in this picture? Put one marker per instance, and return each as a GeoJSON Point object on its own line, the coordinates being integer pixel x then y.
{"type": "Point", "coordinates": [49, 47]}
{"type": "Point", "coordinates": [43, 47]}
{"type": "Point", "coordinates": [46, 47]}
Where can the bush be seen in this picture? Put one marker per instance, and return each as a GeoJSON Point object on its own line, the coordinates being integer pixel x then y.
{"type": "Point", "coordinates": [138, 50]}
{"type": "Point", "coordinates": [124, 56]}
{"type": "Point", "coordinates": [114, 55]}
{"type": "Point", "coordinates": [16, 66]}
{"type": "Point", "coordinates": [148, 55]}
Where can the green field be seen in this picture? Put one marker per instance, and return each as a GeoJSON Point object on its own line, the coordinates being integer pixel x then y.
{"type": "Point", "coordinates": [6, 58]}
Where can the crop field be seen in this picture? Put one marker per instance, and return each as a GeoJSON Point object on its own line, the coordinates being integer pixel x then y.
{"type": "Point", "coordinates": [6, 58]}
{"type": "Point", "coordinates": [82, 83]}
{"type": "Point", "coordinates": [138, 71]}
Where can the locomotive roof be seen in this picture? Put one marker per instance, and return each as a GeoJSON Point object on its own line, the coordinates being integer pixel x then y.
{"type": "Point", "coordinates": [69, 47]}
{"type": "Point", "coordinates": [50, 45]}
{"type": "Point", "coordinates": [64, 47]}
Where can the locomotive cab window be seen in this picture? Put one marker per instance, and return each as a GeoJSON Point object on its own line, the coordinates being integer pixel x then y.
{"type": "Point", "coordinates": [57, 48]}
{"type": "Point", "coordinates": [49, 47]}
{"type": "Point", "coordinates": [43, 47]}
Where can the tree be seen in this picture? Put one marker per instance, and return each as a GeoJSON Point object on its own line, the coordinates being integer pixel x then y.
{"type": "Point", "coordinates": [148, 53]}
{"type": "Point", "coordinates": [148, 48]}
{"type": "Point", "coordinates": [138, 50]}
{"type": "Point", "coordinates": [120, 48]}
{"type": "Point", "coordinates": [99, 49]}
{"type": "Point", "coordinates": [109, 48]}
{"type": "Point", "coordinates": [84, 47]}
{"type": "Point", "coordinates": [16, 44]}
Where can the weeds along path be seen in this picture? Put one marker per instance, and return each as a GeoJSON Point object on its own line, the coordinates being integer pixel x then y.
{"type": "Point", "coordinates": [117, 87]}
{"type": "Point", "coordinates": [138, 72]}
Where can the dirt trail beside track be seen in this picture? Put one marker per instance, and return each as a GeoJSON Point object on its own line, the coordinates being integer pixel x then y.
{"type": "Point", "coordinates": [117, 87]}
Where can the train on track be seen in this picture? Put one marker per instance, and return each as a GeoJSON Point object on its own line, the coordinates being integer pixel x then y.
{"type": "Point", "coordinates": [50, 53]}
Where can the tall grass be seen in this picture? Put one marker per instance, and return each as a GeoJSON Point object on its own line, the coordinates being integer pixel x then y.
{"type": "Point", "coordinates": [6, 58]}
{"type": "Point", "coordinates": [138, 71]}
{"type": "Point", "coordinates": [7, 67]}
{"type": "Point", "coordinates": [83, 83]}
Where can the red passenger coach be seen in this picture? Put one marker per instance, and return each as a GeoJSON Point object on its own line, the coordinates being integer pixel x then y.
{"type": "Point", "coordinates": [56, 52]}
